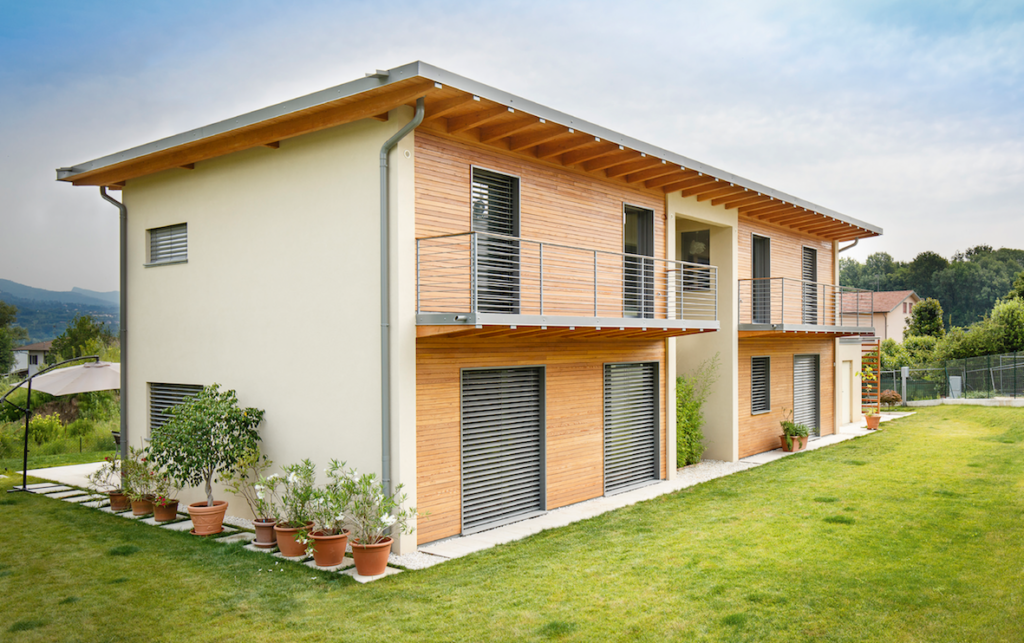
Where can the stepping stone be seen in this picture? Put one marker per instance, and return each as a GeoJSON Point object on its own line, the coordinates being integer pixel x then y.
{"type": "Point", "coordinates": [86, 498]}
{"type": "Point", "coordinates": [116, 513]}
{"type": "Point", "coordinates": [243, 536]}
{"type": "Point", "coordinates": [41, 485]}
{"type": "Point", "coordinates": [265, 550]}
{"type": "Point", "coordinates": [184, 525]}
{"type": "Point", "coordinates": [98, 504]}
{"type": "Point", "coordinates": [56, 489]}
{"type": "Point", "coordinates": [67, 494]}
{"type": "Point", "coordinates": [390, 571]}
{"type": "Point", "coordinates": [152, 521]}
{"type": "Point", "coordinates": [345, 564]}
{"type": "Point", "coordinates": [294, 559]}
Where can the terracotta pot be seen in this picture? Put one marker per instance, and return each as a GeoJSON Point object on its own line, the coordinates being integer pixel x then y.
{"type": "Point", "coordinates": [286, 539]}
{"type": "Point", "coordinates": [118, 501]}
{"type": "Point", "coordinates": [371, 560]}
{"type": "Point", "coordinates": [329, 550]}
{"type": "Point", "coordinates": [266, 537]}
{"type": "Point", "coordinates": [873, 421]}
{"type": "Point", "coordinates": [798, 443]}
{"type": "Point", "coordinates": [163, 513]}
{"type": "Point", "coordinates": [142, 507]}
{"type": "Point", "coordinates": [207, 521]}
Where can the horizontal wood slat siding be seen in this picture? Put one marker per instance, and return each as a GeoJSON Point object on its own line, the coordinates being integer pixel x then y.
{"type": "Point", "coordinates": [575, 416]}
{"type": "Point", "coordinates": [786, 251]}
{"type": "Point", "coordinates": [556, 205]}
{"type": "Point", "coordinates": [759, 433]}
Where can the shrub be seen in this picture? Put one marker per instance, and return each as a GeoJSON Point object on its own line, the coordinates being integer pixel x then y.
{"type": "Point", "coordinates": [691, 393]}
{"type": "Point", "coordinates": [45, 428]}
{"type": "Point", "coordinates": [80, 428]}
{"type": "Point", "coordinates": [890, 397]}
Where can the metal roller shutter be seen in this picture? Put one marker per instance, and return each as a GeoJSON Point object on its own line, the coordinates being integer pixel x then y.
{"type": "Point", "coordinates": [809, 273]}
{"type": "Point", "coordinates": [760, 385]}
{"type": "Point", "coordinates": [630, 425]}
{"type": "Point", "coordinates": [806, 408]}
{"type": "Point", "coordinates": [168, 244]}
{"type": "Point", "coordinates": [495, 200]}
{"type": "Point", "coordinates": [164, 396]}
{"type": "Point", "coordinates": [502, 446]}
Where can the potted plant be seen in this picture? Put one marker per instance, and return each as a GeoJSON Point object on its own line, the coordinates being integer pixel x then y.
{"type": "Point", "coordinates": [328, 539]}
{"type": "Point", "coordinates": [107, 479]}
{"type": "Point", "coordinates": [794, 436]}
{"type": "Point", "coordinates": [165, 501]}
{"type": "Point", "coordinates": [373, 514]}
{"type": "Point", "coordinates": [872, 417]}
{"type": "Point", "coordinates": [295, 515]}
{"type": "Point", "coordinates": [259, 493]}
{"type": "Point", "coordinates": [206, 435]}
{"type": "Point", "coordinates": [137, 479]}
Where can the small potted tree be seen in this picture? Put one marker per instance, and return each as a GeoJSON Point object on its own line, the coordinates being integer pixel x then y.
{"type": "Point", "coordinates": [329, 538]}
{"type": "Point", "coordinates": [259, 493]}
{"type": "Point", "coordinates": [137, 478]}
{"type": "Point", "coordinates": [107, 479]}
{"type": "Point", "coordinates": [206, 435]}
{"type": "Point", "coordinates": [295, 519]}
{"type": "Point", "coordinates": [373, 514]}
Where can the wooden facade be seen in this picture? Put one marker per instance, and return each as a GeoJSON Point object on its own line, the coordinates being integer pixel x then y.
{"type": "Point", "coordinates": [759, 433]}
{"type": "Point", "coordinates": [574, 434]}
{"type": "Point", "coordinates": [786, 248]}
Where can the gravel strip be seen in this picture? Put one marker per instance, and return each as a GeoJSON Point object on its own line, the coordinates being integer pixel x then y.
{"type": "Point", "coordinates": [709, 470]}
{"type": "Point", "coordinates": [415, 560]}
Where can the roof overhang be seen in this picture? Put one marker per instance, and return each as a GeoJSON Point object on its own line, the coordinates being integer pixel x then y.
{"type": "Point", "coordinates": [471, 111]}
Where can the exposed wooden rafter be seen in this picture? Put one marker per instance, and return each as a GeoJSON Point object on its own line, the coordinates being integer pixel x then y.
{"type": "Point", "coordinates": [728, 190]}
{"type": "Point", "coordinates": [533, 139]}
{"type": "Point", "coordinates": [441, 108]}
{"type": "Point", "coordinates": [498, 132]}
{"type": "Point", "coordinates": [623, 169]}
{"type": "Point", "coordinates": [556, 148]}
{"type": "Point", "coordinates": [653, 173]}
{"type": "Point", "coordinates": [469, 121]}
{"type": "Point", "coordinates": [584, 155]}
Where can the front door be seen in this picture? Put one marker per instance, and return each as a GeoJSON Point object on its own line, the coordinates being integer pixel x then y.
{"type": "Point", "coordinates": [807, 393]}
{"type": "Point", "coordinates": [638, 272]}
{"type": "Point", "coordinates": [761, 306]}
{"type": "Point", "coordinates": [495, 200]}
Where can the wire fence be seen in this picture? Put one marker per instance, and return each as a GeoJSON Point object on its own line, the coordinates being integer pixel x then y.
{"type": "Point", "coordinates": [982, 377]}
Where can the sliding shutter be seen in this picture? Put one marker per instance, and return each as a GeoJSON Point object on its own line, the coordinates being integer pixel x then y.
{"type": "Point", "coordinates": [806, 408]}
{"type": "Point", "coordinates": [809, 273]}
{"type": "Point", "coordinates": [760, 384]}
{"type": "Point", "coordinates": [168, 244]}
{"type": "Point", "coordinates": [630, 425]}
{"type": "Point", "coordinates": [164, 396]}
{"type": "Point", "coordinates": [502, 446]}
{"type": "Point", "coordinates": [495, 199]}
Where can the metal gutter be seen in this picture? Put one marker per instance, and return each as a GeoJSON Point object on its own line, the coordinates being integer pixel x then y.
{"type": "Point", "coordinates": [438, 75]}
{"type": "Point", "coordinates": [123, 304]}
{"type": "Point", "coordinates": [385, 294]}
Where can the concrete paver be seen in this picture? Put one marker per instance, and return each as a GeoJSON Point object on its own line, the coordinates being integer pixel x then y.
{"type": "Point", "coordinates": [391, 571]}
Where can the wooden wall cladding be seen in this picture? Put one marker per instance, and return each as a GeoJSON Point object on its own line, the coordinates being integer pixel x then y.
{"type": "Point", "coordinates": [557, 205]}
{"type": "Point", "coordinates": [574, 426]}
{"type": "Point", "coordinates": [786, 251]}
{"type": "Point", "coordinates": [759, 433]}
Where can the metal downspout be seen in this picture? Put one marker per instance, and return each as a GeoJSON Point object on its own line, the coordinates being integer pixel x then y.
{"type": "Point", "coordinates": [123, 304]}
{"type": "Point", "coordinates": [385, 293]}
{"type": "Point", "coordinates": [845, 248]}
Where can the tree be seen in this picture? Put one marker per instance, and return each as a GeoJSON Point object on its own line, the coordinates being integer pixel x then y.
{"type": "Point", "coordinates": [925, 319]}
{"type": "Point", "coordinates": [920, 271]}
{"type": "Point", "coordinates": [1008, 325]}
{"type": "Point", "coordinates": [81, 334]}
{"type": "Point", "coordinates": [10, 336]}
{"type": "Point", "coordinates": [1017, 290]}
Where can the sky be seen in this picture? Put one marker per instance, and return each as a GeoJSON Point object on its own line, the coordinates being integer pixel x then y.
{"type": "Point", "coordinates": [907, 115]}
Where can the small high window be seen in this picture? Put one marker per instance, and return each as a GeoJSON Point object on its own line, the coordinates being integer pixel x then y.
{"type": "Point", "coordinates": [163, 397]}
{"type": "Point", "coordinates": [760, 385]}
{"type": "Point", "coordinates": [168, 244]}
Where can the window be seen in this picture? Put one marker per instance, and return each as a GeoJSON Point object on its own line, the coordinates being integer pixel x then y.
{"type": "Point", "coordinates": [904, 308]}
{"type": "Point", "coordinates": [168, 244]}
{"type": "Point", "coordinates": [760, 385]}
{"type": "Point", "coordinates": [495, 217]}
{"type": "Point", "coordinates": [696, 248]}
{"type": "Point", "coordinates": [638, 272]}
{"type": "Point", "coordinates": [163, 397]}
{"type": "Point", "coordinates": [33, 359]}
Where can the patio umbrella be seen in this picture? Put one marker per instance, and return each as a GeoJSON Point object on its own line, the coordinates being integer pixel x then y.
{"type": "Point", "coordinates": [100, 376]}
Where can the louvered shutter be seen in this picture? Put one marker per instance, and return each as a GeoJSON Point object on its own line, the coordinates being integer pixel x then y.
{"type": "Point", "coordinates": [760, 384]}
{"type": "Point", "coordinates": [630, 425]}
{"type": "Point", "coordinates": [809, 273]}
{"type": "Point", "coordinates": [502, 446]}
{"type": "Point", "coordinates": [806, 392]}
{"type": "Point", "coordinates": [168, 244]}
{"type": "Point", "coordinates": [495, 199]}
{"type": "Point", "coordinates": [164, 396]}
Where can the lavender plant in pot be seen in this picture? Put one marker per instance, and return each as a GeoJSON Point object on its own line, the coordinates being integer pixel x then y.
{"type": "Point", "coordinates": [328, 538]}
{"type": "Point", "coordinates": [259, 491]}
{"type": "Point", "coordinates": [107, 479]}
{"type": "Point", "coordinates": [373, 514]}
{"type": "Point", "coordinates": [294, 518]}
{"type": "Point", "coordinates": [206, 435]}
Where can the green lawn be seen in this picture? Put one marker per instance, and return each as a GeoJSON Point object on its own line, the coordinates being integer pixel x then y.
{"type": "Point", "coordinates": [59, 460]}
{"type": "Point", "coordinates": [912, 534]}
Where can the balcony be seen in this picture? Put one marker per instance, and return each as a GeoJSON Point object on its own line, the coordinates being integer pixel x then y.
{"type": "Point", "coordinates": [783, 305]}
{"type": "Point", "coordinates": [476, 280]}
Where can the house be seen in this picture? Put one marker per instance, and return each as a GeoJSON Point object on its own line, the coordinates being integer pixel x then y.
{"type": "Point", "coordinates": [891, 313]}
{"type": "Point", "coordinates": [30, 358]}
{"type": "Point", "coordinates": [505, 339]}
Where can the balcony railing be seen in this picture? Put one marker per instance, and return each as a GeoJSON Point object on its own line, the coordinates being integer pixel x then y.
{"type": "Point", "coordinates": [497, 276]}
{"type": "Point", "coordinates": [783, 301]}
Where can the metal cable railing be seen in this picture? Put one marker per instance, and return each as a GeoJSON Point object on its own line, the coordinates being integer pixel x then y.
{"type": "Point", "coordinates": [487, 273]}
{"type": "Point", "coordinates": [781, 300]}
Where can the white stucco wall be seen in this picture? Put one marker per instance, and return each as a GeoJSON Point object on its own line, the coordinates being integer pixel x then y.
{"type": "Point", "coordinates": [280, 296]}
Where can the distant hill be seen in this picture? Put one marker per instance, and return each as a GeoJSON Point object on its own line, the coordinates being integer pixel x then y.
{"type": "Point", "coordinates": [46, 313]}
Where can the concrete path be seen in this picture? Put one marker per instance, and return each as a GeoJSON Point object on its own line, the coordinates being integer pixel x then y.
{"type": "Point", "coordinates": [74, 475]}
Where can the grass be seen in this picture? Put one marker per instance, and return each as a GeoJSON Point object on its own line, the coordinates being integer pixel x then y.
{"type": "Point", "coordinates": [928, 549]}
{"type": "Point", "coordinates": [59, 460]}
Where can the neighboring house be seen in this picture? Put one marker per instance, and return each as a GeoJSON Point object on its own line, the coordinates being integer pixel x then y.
{"type": "Point", "coordinates": [30, 358]}
{"type": "Point", "coordinates": [547, 279]}
{"type": "Point", "coordinates": [890, 312]}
